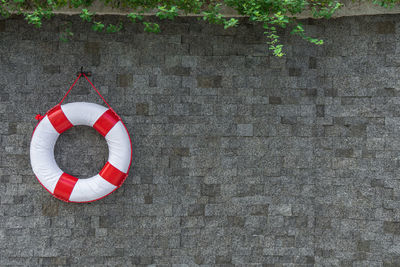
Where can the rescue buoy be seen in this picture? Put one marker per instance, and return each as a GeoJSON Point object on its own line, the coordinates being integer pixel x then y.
{"type": "Point", "coordinates": [64, 186]}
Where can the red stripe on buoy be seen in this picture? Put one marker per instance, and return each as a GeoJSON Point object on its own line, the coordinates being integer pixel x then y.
{"type": "Point", "coordinates": [64, 186]}
{"type": "Point", "coordinates": [104, 124]}
{"type": "Point", "coordinates": [112, 174]}
{"type": "Point", "coordinates": [59, 120]}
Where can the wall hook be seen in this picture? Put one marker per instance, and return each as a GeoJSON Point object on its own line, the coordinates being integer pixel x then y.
{"type": "Point", "coordinates": [87, 73]}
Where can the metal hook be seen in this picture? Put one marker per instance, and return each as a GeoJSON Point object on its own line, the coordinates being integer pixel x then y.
{"type": "Point", "coordinates": [87, 73]}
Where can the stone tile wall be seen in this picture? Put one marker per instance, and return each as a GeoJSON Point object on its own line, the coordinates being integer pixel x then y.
{"type": "Point", "coordinates": [240, 158]}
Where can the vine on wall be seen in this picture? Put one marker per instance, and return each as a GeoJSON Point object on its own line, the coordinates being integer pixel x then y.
{"type": "Point", "coordinates": [272, 14]}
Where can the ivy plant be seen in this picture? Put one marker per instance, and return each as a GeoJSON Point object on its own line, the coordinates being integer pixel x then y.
{"type": "Point", "coordinates": [272, 14]}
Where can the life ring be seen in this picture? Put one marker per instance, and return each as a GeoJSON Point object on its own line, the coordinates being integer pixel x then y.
{"type": "Point", "coordinates": [64, 186]}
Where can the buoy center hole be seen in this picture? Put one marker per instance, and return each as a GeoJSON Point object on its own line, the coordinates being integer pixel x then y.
{"type": "Point", "coordinates": [81, 152]}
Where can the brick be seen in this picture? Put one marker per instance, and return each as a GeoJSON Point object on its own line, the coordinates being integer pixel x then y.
{"type": "Point", "coordinates": [92, 47]}
{"type": "Point", "coordinates": [245, 129]}
{"type": "Point", "coordinates": [178, 71]}
{"type": "Point", "coordinates": [289, 120]}
{"type": "Point", "coordinates": [358, 130]}
{"type": "Point", "coordinates": [50, 208]}
{"type": "Point", "coordinates": [332, 92]}
{"type": "Point", "coordinates": [294, 72]}
{"type": "Point", "coordinates": [106, 221]}
{"type": "Point", "coordinates": [153, 80]}
{"type": "Point", "coordinates": [181, 151]}
{"type": "Point", "coordinates": [148, 199]}
{"type": "Point", "coordinates": [209, 81]}
{"type": "Point", "coordinates": [320, 111]}
{"type": "Point", "coordinates": [311, 92]}
{"type": "Point", "coordinates": [259, 209]}
{"type": "Point", "coordinates": [51, 69]}
{"type": "Point", "coordinates": [236, 221]}
{"type": "Point", "coordinates": [124, 80]}
{"type": "Point", "coordinates": [142, 109]}
{"type": "Point", "coordinates": [211, 190]}
{"type": "Point", "coordinates": [310, 260]}
{"type": "Point", "coordinates": [274, 100]}
{"type": "Point", "coordinates": [225, 259]}
{"type": "Point", "coordinates": [312, 63]}
{"type": "Point", "coordinates": [18, 199]}
{"type": "Point", "coordinates": [386, 27]}
{"type": "Point", "coordinates": [2, 26]}
{"type": "Point", "coordinates": [346, 153]}
{"type": "Point", "coordinates": [196, 210]}
{"type": "Point", "coordinates": [146, 179]}
{"type": "Point", "coordinates": [391, 227]}
{"type": "Point", "coordinates": [12, 128]}
{"type": "Point", "coordinates": [363, 245]}
{"type": "Point", "coordinates": [377, 183]}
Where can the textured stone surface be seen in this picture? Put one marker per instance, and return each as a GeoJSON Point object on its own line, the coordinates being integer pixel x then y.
{"type": "Point", "coordinates": [240, 158]}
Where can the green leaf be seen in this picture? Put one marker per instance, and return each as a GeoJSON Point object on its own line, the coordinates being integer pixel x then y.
{"type": "Point", "coordinates": [114, 28]}
{"type": "Point", "coordinates": [133, 17]}
{"type": "Point", "coordinates": [66, 33]}
{"type": "Point", "coordinates": [167, 13]}
{"type": "Point", "coordinates": [272, 14]}
{"type": "Point", "coordinates": [230, 23]}
{"type": "Point", "coordinates": [98, 26]}
{"type": "Point", "coordinates": [86, 15]}
{"type": "Point", "coordinates": [151, 27]}
{"type": "Point", "coordinates": [34, 19]}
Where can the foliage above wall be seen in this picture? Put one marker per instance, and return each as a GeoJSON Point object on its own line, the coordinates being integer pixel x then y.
{"type": "Point", "coordinates": [272, 14]}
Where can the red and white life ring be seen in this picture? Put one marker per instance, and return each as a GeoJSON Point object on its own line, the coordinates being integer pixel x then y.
{"type": "Point", "coordinates": [64, 186]}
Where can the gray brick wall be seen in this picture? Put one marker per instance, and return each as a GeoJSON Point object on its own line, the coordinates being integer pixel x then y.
{"type": "Point", "coordinates": [240, 158]}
